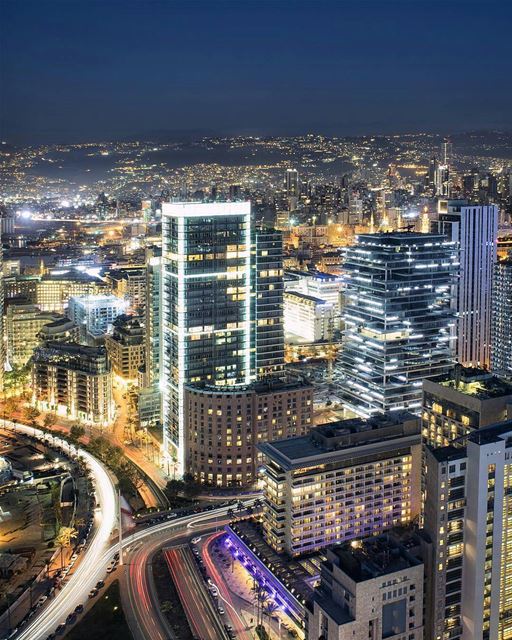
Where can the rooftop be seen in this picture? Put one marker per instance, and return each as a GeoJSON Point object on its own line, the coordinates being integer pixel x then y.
{"type": "Point", "coordinates": [335, 437]}
{"type": "Point", "coordinates": [474, 382]}
{"type": "Point", "coordinates": [377, 556]}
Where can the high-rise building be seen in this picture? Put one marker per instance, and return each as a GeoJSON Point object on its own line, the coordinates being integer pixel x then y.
{"type": "Point", "coordinates": [292, 183]}
{"type": "Point", "coordinates": [398, 322]}
{"type": "Point", "coordinates": [206, 304]}
{"type": "Point", "coordinates": [268, 302]}
{"type": "Point", "coordinates": [468, 516]}
{"type": "Point", "coordinates": [73, 381]}
{"type": "Point", "coordinates": [501, 328]}
{"type": "Point", "coordinates": [462, 401]}
{"type": "Point", "coordinates": [129, 284]}
{"type": "Point", "coordinates": [345, 480]}
{"type": "Point", "coordinates": [153, 314]}
{"type": "Point", "coordinates": [475, 229]}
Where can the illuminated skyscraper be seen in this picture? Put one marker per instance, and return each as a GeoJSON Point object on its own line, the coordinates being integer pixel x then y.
{"type": "Point", "coordinates": [206, 304]}
{"type": "Point", "coordinates": [292, 183]}
{"type": "Point", "coordinates": [501, 331]}
{"type": "Point", "coordinates": [397, 317]}
{"type": "Point", "coordinates": [475, 229]}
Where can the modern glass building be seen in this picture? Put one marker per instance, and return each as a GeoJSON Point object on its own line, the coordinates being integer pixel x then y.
{"type": "Point", "coordinates": [501, 333]}
{"type": "Point", "coordinates": [399, 327]}
{"type": "Point", "coordinates": [206, 304]}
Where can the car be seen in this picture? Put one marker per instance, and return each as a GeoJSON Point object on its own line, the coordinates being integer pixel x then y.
{"type": "Point", "coordinates": [71, 618]}
{"type": "Point", "coordinates": [51, 637]}
{"type": "Point", "coordinates": [100, 584]}
{"type": "Point", "coordinates": [60, 629]}
{"type": "Point", "coordinates": [41, 601]}
{"type": "Point", "coordinates": [195, 551]}
{"type": "Point", "coordinates": [221, 611]}
{"type": "Point", "coordinates": [93, 593]}
{"type": "Point", "coordinates": [196, 540]}
{"type": "Point", "coordinates": [74, 557]}
{"type": "Point", "coordinates": [214, 591]}
{"type": "Point", "coordinates": [112, 568]}
{"type": "Point", "coordinates": [79, 608]}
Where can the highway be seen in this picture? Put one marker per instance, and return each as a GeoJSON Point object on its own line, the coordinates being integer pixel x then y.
{"type": "Point", "coordinates": [142, 612]}
{"type": "Point", "coordinates": [92, 566]}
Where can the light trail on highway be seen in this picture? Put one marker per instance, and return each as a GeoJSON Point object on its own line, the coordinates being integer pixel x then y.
{"type": "Point", "coordinates": [99, 552]}
{"type": "Point", "coordinates": [91, 568]}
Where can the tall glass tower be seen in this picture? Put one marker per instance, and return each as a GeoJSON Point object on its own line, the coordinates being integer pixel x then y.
{"type": "Point", "coordinates": [206, 304]}
{"type": "Point", "coordinates": [399, 327]}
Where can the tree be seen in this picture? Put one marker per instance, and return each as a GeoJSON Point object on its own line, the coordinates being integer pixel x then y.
{"type": "Point", "coordinates": [49, 420]}
{"type": "Point", "coordinates": [75, 433]}
{"type": "Point", "coordinates": [31, 414]}
{"type": "Point", "coordinates": [192, 488]}
{"type": "Point", "coordinates": [174, 487]}
{"type": "Point", "coordinates": [63, 540]}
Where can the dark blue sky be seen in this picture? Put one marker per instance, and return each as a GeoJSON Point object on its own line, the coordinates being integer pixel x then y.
{"type": "Point", "coordinates": [95, 69]}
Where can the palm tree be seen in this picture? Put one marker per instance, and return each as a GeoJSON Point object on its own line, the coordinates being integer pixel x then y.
{"type": "Point", "coordinates": [63, 540]}
{"type": "Point", "coordinates": [270, 607]}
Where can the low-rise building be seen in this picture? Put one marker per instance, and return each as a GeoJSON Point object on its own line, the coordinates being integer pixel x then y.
{"type": "Point", "coordinates": [345, 480]}
{"type": "Point", "coordinates": [74, 381]}
{"type": "Point", "coordinates": [306, 318]}
{"type": "Point", "coordinates": [95, 315]}
{"type": "Point", "coordinates": [370, 589]}
{"type": "Point", "coordinates": [223, 426]}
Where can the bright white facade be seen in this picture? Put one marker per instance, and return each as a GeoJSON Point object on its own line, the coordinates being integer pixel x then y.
{"type": "Point", "coordinates": [475, 229]}
{"type": "Point", "coordinates": [307, 319]}
{"type": "Point", "coordinates": [95, 315]}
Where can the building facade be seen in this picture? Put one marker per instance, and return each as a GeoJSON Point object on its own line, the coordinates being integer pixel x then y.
{"type": "Point", "coordinates": [125, 347]}
{"type": "Point", "coordinates": [468, 516]}
{"type": "Point", "coordinates": [462, 401]}
{"type": "Point", "coordinates": [74, 381]}
{"type": "Point", "coordinates": [370, 590]}
{"type": "Point", "coordinates": [225, 425]}
{"type": "Point", "coordinates": [346, 480]}
{"type": "Point", "coordinates": [501, 330]}
{"type": "Point", "coordinates": [95, 315]}
{"type": "Point", "coordinates": [307, 319]}
{"type": "Point", "coordinates": [475, 229]}
{"type": "Point", "coordinates": [399, 327]}
{"type": "Point", "coordinates": [206, 304]}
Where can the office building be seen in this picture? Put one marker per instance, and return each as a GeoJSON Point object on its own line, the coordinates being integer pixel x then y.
{"type": "Point", "coordinates": [95, 315]}
{"type": "Point", "coordinates": [125, 346]}
{"type": "Point", "coordinates": [307, 319]}
{"type": "Point", "coordinates": [23, 325]}
{"type": "Point", "coordinates": [457, 403]}
{"type": "Point", "coordinates": [475, 230]}
{"type": "Point", "coordinates": [292, 183]}
{"type": "Point", "coordinates": [501, 325]}
{"type": "Point", "coordinates": [225, 425]}
{"type": "Point", "coordinates": [53, 290]}
{"type": "Point", "coordinates": [346, 480]}
{"type": "Point", "coordinates": [468, 516]}
{"type": "Point", "coordinates": [370, 589]}
{"type": "Point", "coordinates": [129, 284]}
{"type": "Point", "coordinates": [153, 315]}
{"type": "Point", "coordinates": [73, 381]}
{"type": "Point", "coordinates": [325, 286]}
{"type": "Point", "coordinates": [206, 304]}
{"type": "Point", "coordinates": [268, 302]}
{"type": "Point", "coordinates": [398, 322]}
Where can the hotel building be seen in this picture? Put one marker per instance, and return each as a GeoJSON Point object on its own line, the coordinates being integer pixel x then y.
{"type": "Point", "coordinates": [399, 327]}
{"type": "Point", "coordinates": [223, 427]}
{"type": "Point", "coordinates": [348, 479]}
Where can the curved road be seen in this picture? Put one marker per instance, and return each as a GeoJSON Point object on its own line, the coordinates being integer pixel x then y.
{"type": "Point", "coordinates": [91, 568]}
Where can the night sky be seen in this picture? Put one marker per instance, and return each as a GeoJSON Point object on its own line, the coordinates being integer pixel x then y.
{"type": "Point", "coordinates": [93, 70]}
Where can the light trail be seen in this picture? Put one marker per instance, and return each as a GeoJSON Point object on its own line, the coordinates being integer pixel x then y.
{"type": "Point", "coordinates": [91, 568]}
